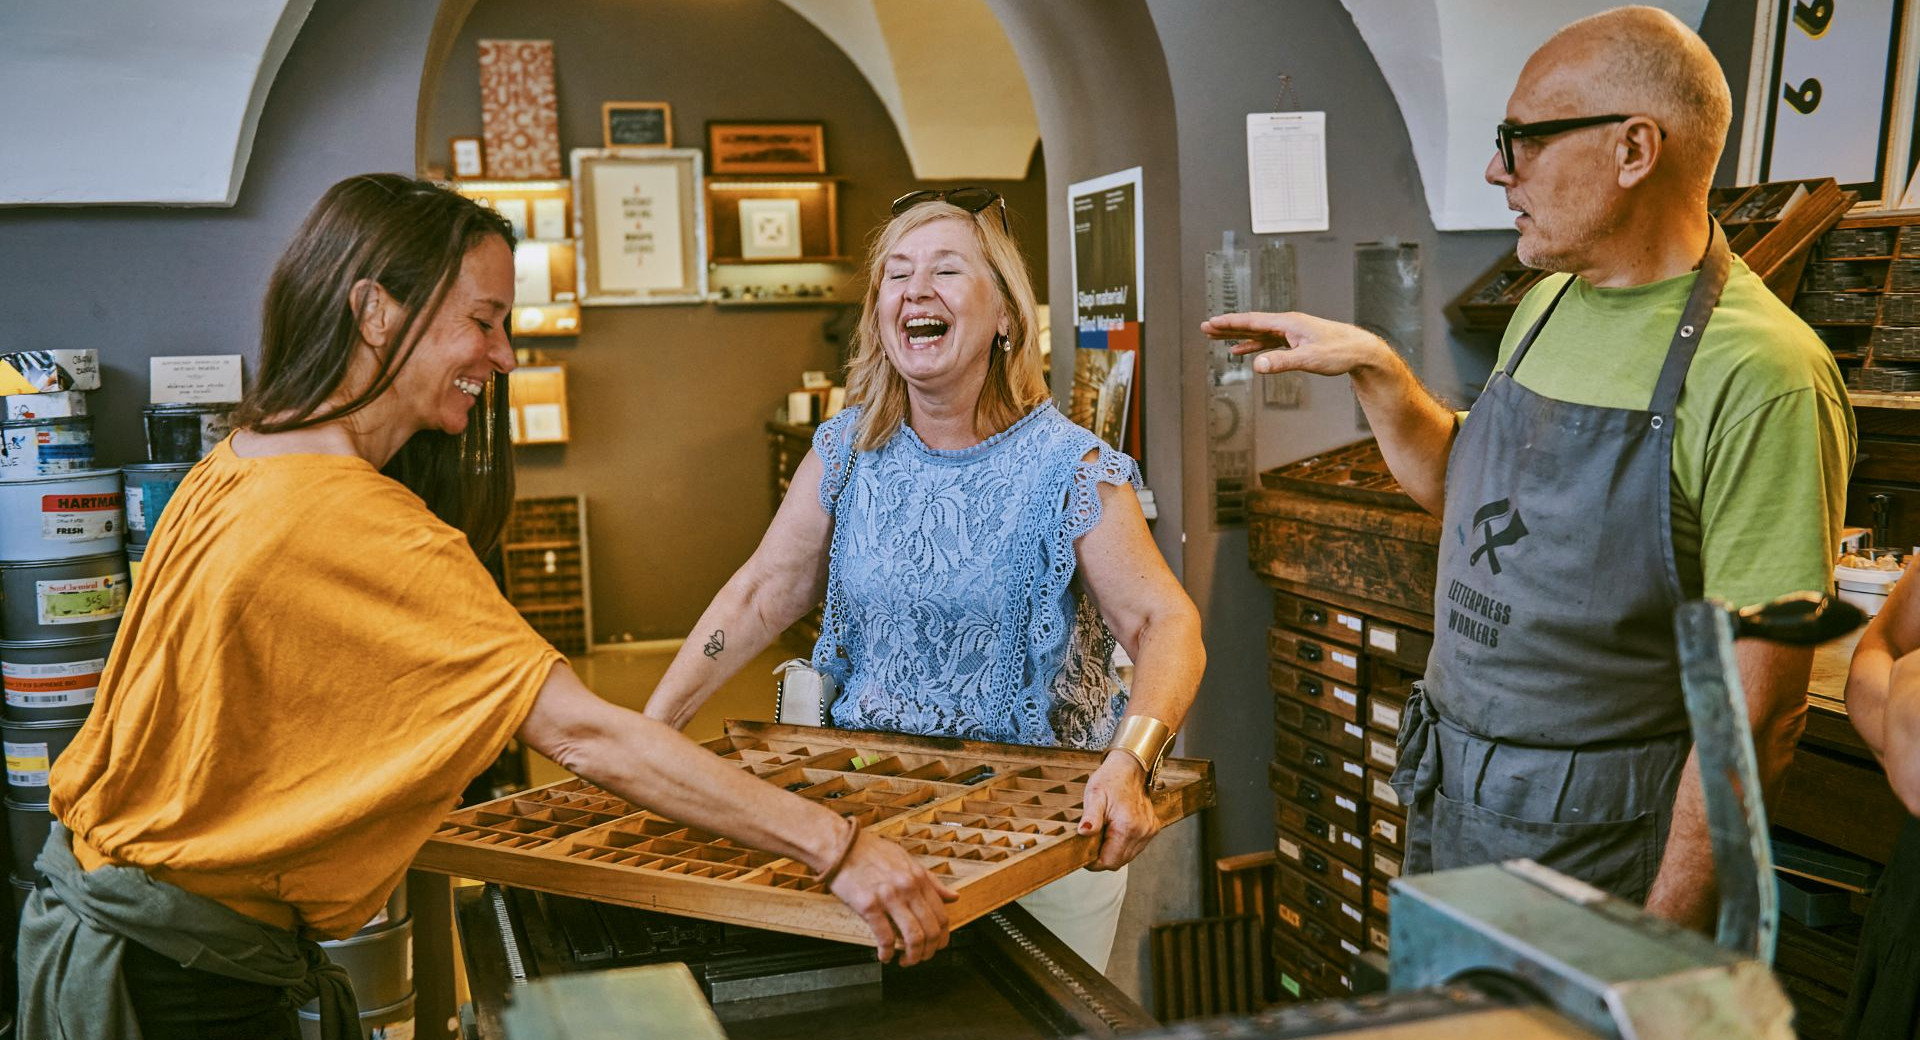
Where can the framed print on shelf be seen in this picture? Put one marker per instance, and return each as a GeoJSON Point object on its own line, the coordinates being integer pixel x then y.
{"type": "Point", "coordinates": [755, 148]}
{"type": "Point", "coordinates": [636, 124]}
{"type": "Point", "coordinates": [467, 157]}
{"type": "Point", "coordinates": [641, 224]}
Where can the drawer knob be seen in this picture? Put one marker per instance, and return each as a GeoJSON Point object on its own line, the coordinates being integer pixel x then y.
{"type": "Point", "coordinates": [1313, 615]}
{"type": "Point", "coordinates": [1316, 898]}
{"type": "Point", "coordinates": [1308, 793]}
{"type": "Point", "coordinates": [1308, 652]}
{"type": "Point", "coordinates": [1317, 759]}
{"type": "Point", "coordinates": [1314, 861]}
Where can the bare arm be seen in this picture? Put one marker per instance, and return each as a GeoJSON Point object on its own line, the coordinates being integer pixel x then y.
{"type": "Point", "coordinates": [1152, 617]}
{"type": "Point", "coordinates": [651, 764]}
{"type": "Point", "coordinates": [783, 578]}
{"type": "Point", "coordinates": [1775, 680]}
{"type": "Point", "coordinates": [1415, 430]}
{"type": "Point", "coordinates": [1883, 690]}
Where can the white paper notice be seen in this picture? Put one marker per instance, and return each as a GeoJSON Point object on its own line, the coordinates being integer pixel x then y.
{"type": "Point", "coordinates": [550, 218]}
{"type": "Point", "coordinates": [1287, 171]}
{"type": "Point", "coordinates": [195, 379]}
{"type": "Point", "coordinates": [544, 423]}
{"type": "Point", "coordinates": [532, 274]}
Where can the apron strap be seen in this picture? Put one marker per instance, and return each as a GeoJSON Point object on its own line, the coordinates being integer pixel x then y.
{"type": "Point", "coordinates": [1526, 341]}
{"type": "Point", "coordinates": [1714, 267]}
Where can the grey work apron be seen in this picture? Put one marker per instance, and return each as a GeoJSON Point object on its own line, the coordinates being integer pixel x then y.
{"type": "Point", "coordinates": [1551, 725]}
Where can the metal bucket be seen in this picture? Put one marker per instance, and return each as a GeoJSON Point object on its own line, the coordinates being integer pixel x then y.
{"type": "Point", "coordinates": [53, 679]}
{"type": "Point", "coordinates": [186, 432]}
{"type": "Point", "coordinates": [27, 826]}
{"type": "Point", "coordinates": [136, 555]}
{"type": "Point", "coordinates": [394, 910]}
{"type": "Point", "coordinates": [45, 447]}
{"type": "Point", "coordinates": [379, 960]}
{"type": "Point", "coordinates": [63, 599]}
{"type": "Point", "coordinates": [61, 517]}
{"type": "Point", "coordinates": [393, 1022]}
{"type": "Point", "coordinates": [150, 485]}
{"type": "Point", "coordinates": [32, 748]}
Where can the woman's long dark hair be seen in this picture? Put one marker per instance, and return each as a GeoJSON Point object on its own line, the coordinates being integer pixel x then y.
{"type": "Point", "coordinates": [409, 237]}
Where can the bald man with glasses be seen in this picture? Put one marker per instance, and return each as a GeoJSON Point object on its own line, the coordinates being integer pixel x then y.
{"type": "Point", "coordinates": [1658, 427]}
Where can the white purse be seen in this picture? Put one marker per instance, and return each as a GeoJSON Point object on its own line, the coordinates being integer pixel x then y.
{"type": "Point", "coordinates": [804, 695]}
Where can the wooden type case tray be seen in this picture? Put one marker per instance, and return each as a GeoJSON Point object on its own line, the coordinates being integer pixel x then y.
{"type": "Point", "coordinates": [992, 821]}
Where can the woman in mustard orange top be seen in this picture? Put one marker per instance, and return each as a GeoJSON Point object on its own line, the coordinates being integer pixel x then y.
{"type": "Point", "coordinates": [315, 663]}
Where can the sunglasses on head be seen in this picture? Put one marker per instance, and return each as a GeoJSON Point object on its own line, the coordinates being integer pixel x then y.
{"type": "Point", "coordinates": [973, 200]}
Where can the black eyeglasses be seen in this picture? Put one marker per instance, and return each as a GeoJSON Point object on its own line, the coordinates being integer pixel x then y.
{"type": "Point", "coordinates": [973, 200]}
{"type": "Point", "coordinates": [1505, 133]}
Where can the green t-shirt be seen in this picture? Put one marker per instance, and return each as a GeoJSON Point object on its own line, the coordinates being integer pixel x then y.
{"type": "Point", "coordinates": [1764, 439]}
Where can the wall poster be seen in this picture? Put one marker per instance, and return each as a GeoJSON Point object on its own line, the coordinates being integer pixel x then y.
{"type": "Point", "coordinates": [1109, 272]}
{"type": "Point", "coordinates": [641, 229]}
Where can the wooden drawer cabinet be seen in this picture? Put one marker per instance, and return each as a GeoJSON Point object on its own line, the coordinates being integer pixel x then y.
{"type": "Point", "coordinates": [1382, 751]}
{"type": "Point", "coordinates": [1401, 645]}
{"type": "Point", "coordinates": [1305, 974]}
{"type": "Point", "coordinates": [1297, 925]}
{"type": "Point", "coordinates": [1318, 761]}
{"type": "Point", "coordinates": [1295, 822]}
{"type": "Point", "coordinates": [1385, 707]}
{"type": "Point", "coordinates": [1338, 734]}
{"type": "Point", "coordinates": [1319, 619]}
{"type": "Point", "coordinates": [1318, 866]}
{"type": "Point", "coordinates": [1345, 809]}
{"type": "Point", "coordinates": [1321, 904]}
{"type": "Point", "coordinates": [1336, 662]}
{"type": "Point", "coordinates": [1388, 830]}
{"type": "Point", "coordinates": [1339, 699]}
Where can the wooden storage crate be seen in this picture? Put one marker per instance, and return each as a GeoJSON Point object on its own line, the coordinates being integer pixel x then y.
{"type": "Point", "coordinates": [993, 821]}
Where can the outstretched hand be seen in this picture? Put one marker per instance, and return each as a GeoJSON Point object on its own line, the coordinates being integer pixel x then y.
{"type": "Point", "coordinates": [900, 901]}
{"type": "Point", "coordinates": [1117, 808]}
{"type": "Point", "coordinates": [1295, 342]}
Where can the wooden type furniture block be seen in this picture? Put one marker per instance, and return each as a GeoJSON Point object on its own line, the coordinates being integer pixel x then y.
{"type": "Point", "coordinates": [993, 821]}
{"type": "Point", "coordinates": [1208, 967]}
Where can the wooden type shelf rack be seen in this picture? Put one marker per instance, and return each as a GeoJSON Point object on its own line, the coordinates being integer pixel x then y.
{"type": "Point", "coordinates": [992, 821]}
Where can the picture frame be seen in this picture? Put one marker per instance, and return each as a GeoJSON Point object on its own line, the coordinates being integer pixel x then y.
{"type": "Point", "coordinates": [636, 124]}
{"type": "Point", "coordinates": [767, 148]}
{"type": "Point", "coordinates": [468, 155]}
{"type": "Point", "coordinates": [640, 220]}
{"type": "Point", "coordinates": [769, 229]}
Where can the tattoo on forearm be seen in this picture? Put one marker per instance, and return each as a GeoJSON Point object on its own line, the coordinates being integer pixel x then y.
{"type": "Point", "coordinates": [716, 643]}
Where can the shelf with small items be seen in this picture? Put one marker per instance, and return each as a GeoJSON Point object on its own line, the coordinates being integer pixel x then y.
{"type": "Point", "coordinates": [545, 258]}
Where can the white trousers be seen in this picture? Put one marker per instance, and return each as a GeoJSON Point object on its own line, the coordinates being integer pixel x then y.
{"type": "Point", "coordinates": [1082, 909]}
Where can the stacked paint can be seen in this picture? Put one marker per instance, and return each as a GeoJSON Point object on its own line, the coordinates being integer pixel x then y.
{"type": "Point", "coordinates": [379, 959]}
{"type": "Point", "coordinates": [63, 587]}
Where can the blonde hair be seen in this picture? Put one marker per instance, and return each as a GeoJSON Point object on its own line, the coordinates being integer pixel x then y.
{"type": "Point", "coordinates": [1014, 381]}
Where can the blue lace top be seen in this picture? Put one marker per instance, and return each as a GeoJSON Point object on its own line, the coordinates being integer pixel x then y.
{"type": "Point", "coordinates": [951, 605]}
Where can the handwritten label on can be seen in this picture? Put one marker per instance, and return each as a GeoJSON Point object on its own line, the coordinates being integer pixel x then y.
{"type": "Point", "coordinates": [75, 601]}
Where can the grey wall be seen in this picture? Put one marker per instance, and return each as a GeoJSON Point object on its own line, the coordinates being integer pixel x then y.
{"type": "Point", "coordinates": [668, 404]}
{"type": "Point", "coordinates": [135, 282]}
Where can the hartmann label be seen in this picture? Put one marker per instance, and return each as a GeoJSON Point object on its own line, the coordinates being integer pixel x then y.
{"type": "Point", "coordinates": [79, 518]}
{"type": "Point", "coordinates": [51, 685]}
